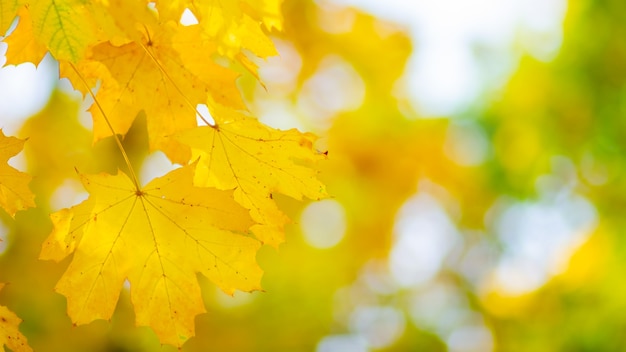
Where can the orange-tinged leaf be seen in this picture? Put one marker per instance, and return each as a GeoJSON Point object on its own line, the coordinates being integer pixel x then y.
{"type": "Point", "coordinates": [14, 192]}
{"type": "Point", "coordinates": [158, 238]}
{"type": "Point", "coordinates": [242, 154]}
{"type": "Point", "coordinates": [10, 336]}
{"type": "Point", "coordinates": [22, 45]}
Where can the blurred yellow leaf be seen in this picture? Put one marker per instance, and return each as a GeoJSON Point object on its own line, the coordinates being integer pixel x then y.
{"type": "Point", "coordinates": [10, 336]}
{"type": "Point", "coordinates": [14, 192]}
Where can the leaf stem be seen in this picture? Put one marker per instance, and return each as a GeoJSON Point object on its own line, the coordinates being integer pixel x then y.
{"type": "Point", "coordinates": [120, 146]}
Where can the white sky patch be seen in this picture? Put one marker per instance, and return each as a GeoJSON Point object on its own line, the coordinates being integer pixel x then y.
{"type": "Point", "coordinates": [280, 72]}
{"type": "Point", "coordinates": [439, 308]}
{"type": "Point", "coordinates": [539, 238]}
{"type": "Point", "coordinates": [188, 18]}
{"type": "Point", "coordinates": [155, 165]}
{"type": "Point", "coordinates": [323, 223]}
{"type": "Point", "coordinates": [424, 236]}
{"type": "Point", "coordinates": [380, 326]}
{"type": "Point", "coordinates": [279, 114]}
{"type": "Point", "coordinates": [465, 47]}
{"type": "Point", "coordinates": [335, 87]}
{"type": "Point", "coordinates": [472, 338]}
{"type": "Point", "coordinates": [24, 90]}
{"type": "Point", "coordinates": [342, 343]}
{"type": "Point", "coordinates": [203, 115]}
{"type": "Point", "coordinates": [19, 161]}
{"type": "Point", "coordinates": [71, 192]}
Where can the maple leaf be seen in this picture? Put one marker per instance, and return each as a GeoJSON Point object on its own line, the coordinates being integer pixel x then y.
{"type": "Point", "coordinates": [14, 192]}
{"type": "Point", "coordinates": [167, 75]}
{"type": "Point", "coordinates": [10, 336]}
{"type": "Point", "coordinates": [266, 11]}
{"type": "Point", "coordinates": [236, 26]}
{"type": "Point", "coordinates": [22, 43]}
{"type": "Point", "coordinates": [158, 238]}
{"type": "Point", "coordinates": [242, 154]}
{"type": "Point", "coordinates": [8, 11]}
{"type": "Point", "coordinates": [64, 26]}
{"type": "Point", "coordinates": [234, 29]}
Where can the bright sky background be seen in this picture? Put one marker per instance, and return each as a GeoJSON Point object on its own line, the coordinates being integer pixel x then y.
{"type": "Point", "coordinates": [463, 47]}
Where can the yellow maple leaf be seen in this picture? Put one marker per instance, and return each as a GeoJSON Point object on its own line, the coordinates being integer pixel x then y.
{"type": "Point", "coordinates": [10, 336]}
{"type": "Point", "coordinates": [241, 153]}
{"type": "Point", "coordinates": [8, 11]}
{"type": "Point", "coordinates": [64, 26]}
{"type": "Point", "coordinates": [266, 11]}
{"type": "Point", "coordinates": [22, 44]}
{"type": "Point", "coordinates": [14, 192]}
{"type": "Point", "coordinates": [167, 75]}
{"type": "Point", "coordinates": [235, 26]}
{"type": "Point", "coordinates": [234, 30]}
{"type": "Point", "coordinates": [172, 10]}
{"type": "Point", "coordinates": [129, 17]}
{"type": "Point", "coordinates": [158, 238]}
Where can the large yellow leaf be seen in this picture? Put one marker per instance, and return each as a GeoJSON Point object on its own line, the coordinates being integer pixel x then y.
{"type": "Point", "coordinates": [158, 238]}
{"type": "Point", "coordinates": [10, 336]}
{"type": "Point", "coordinates": [14, 192]}
{"type": "Point", "coordinates": [242, 154]}
{"type": "Point", "coordinates": [166, 75]}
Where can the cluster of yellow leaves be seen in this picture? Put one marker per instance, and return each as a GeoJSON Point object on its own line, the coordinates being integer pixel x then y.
{"type": "Point", "coordinates": [136, 56]}
{"type": "Point", "coordinates": [14, 192]}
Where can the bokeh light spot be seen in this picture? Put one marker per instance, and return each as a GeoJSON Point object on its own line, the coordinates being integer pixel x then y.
{"type": "Point", "coordinates": [323, 223]}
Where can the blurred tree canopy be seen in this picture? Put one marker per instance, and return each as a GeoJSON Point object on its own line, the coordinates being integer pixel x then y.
{"type": "Point", "coordinates": [521, 249]}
